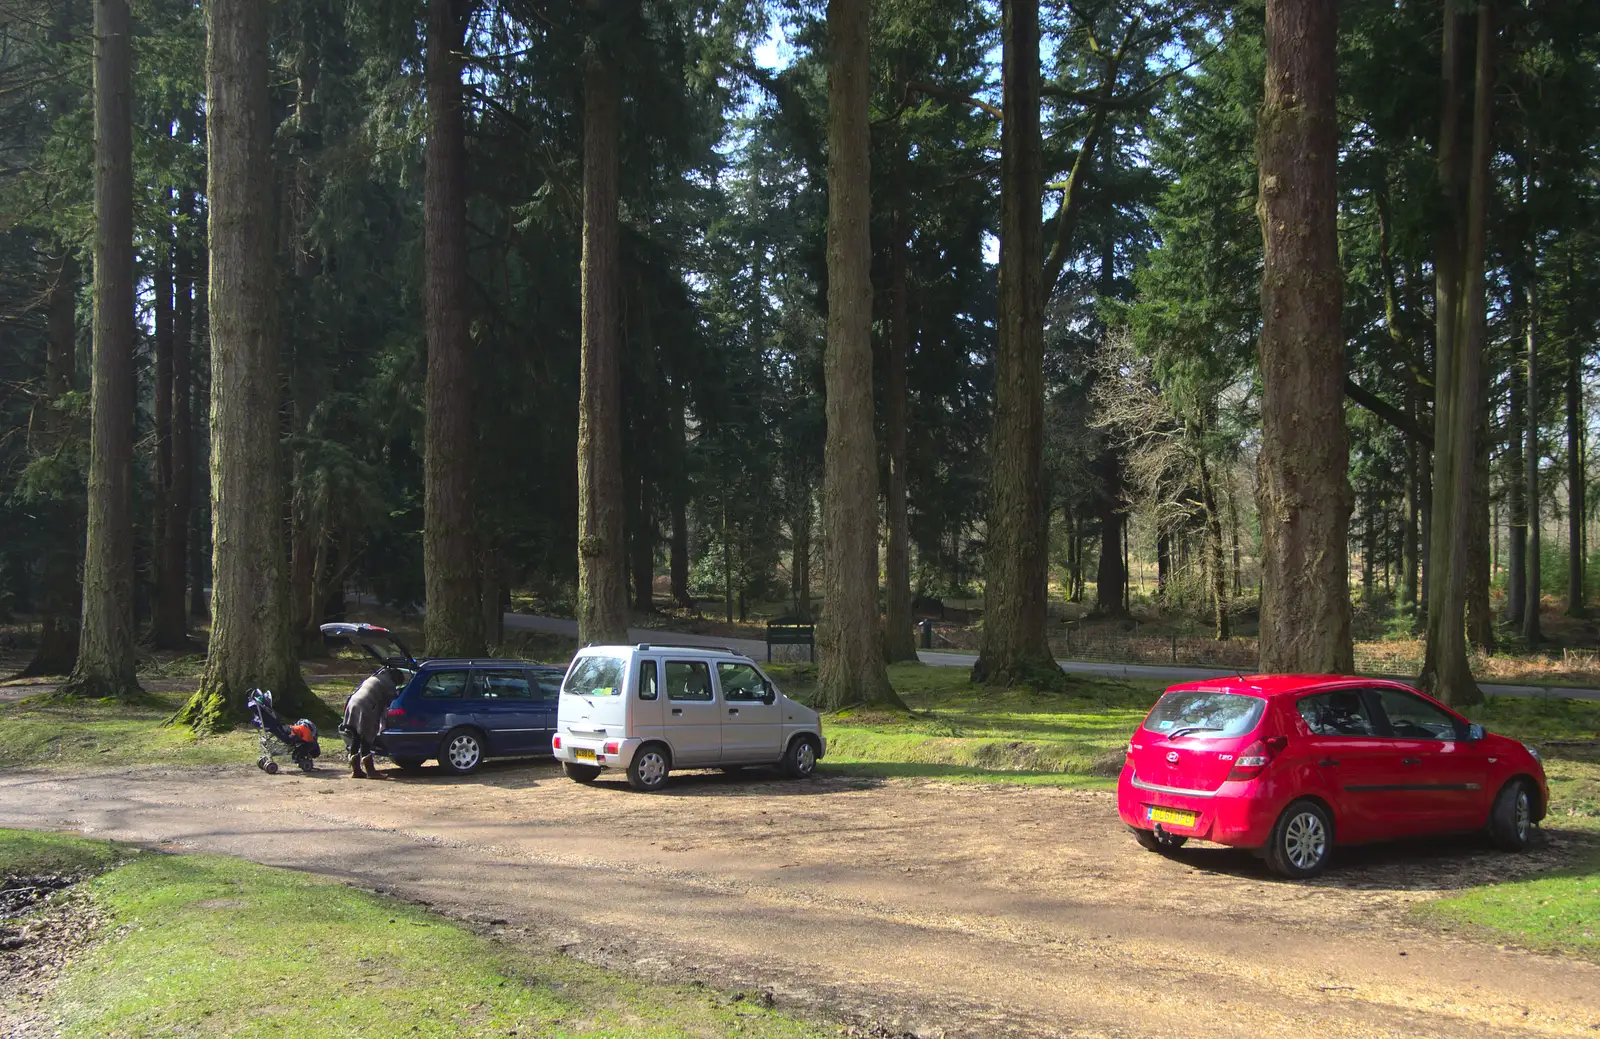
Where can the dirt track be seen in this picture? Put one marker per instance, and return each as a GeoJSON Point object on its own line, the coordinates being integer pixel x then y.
{"type": "Point", "coordinates": [935, 909]}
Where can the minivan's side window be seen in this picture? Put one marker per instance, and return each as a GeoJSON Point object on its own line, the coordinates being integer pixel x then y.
{"type": "Point", "coordinates": [1342, 712]}
{"type": "Point", "coordinates": [1411, 718]}
{"type": "Point", "coordinates": [504, 685]}
{"type": "Point", "coordinates": [647, 680]}
{"type": "Point", "coordinates": [446, 685]}
{"type": "Point", "coordinates": [741, 683]}
{"type": "Point", "coordinates": [688, 680]}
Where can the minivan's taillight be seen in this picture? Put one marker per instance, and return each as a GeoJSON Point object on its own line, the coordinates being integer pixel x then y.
{"type": "Point", "coordinates": [613, 748]}
{"type": "Point", "coordinates": [1250, 761]}
{"type": "Point", "coordinates": [556, 743]}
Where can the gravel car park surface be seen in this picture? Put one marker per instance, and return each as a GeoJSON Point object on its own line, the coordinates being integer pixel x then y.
{"type": "Point", "coordinates": [911, 906]}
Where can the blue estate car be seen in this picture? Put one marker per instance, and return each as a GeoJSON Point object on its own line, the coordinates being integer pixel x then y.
{"type": "Point", "coordinates": [460, 712]}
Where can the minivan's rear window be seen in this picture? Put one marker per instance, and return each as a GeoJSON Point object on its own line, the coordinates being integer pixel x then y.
{"type": "Point", "coordinates": [1204, 714]}
{"type": "Point", "coordinates": [596, 676]}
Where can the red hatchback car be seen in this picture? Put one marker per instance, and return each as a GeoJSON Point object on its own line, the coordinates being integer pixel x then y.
{"type": "Point", "coordinates": [1287, 764]}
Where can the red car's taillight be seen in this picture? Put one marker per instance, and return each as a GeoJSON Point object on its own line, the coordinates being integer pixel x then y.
{"type": "Point", "coordinates": [1257, 756]}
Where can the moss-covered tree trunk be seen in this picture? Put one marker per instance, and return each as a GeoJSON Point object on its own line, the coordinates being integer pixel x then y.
{"type": "Point", "coordinates": [105, 665]}
{"type": "Point", "coordinates": [249, 645]}
{"type": "Point", "coordinates": [454, 624]}
{"type": "Point", "coordinates": [1459, 334]}
{"type": "Point", "coordinates": [1014, 647]}
{"type": "Point", "coordinates": [849, 645]}
{"type": "Point", "coordinates": [602, 548]}
{"type": "Point", "coordinates": [1304, 492]}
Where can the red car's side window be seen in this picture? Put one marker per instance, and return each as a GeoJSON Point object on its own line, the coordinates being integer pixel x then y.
{"type": "Point", "coordinates": [1342, 712]}
{"type": "Point", "coordinates": [1412, 718]}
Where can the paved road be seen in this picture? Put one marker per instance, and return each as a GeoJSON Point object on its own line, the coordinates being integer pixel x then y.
{"type": "Point", "coordinates": [757, 649]}
{"type": "Point", "coordinates": [967, 912]}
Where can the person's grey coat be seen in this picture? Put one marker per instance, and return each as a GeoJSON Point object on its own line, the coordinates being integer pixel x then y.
{"type": "Point", "coordinates": [363, 712]}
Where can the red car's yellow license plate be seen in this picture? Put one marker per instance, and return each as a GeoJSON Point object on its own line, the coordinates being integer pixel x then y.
{"type": "Point", "coordinates": [1173, 816]}
{"type": "Point", "coordinates": [582, 754]}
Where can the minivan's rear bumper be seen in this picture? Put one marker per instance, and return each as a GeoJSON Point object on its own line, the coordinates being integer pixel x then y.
{"type": "Point", "coordinates": [577, 748]}
{"type": "Point", "coordinates": [1235, 813]}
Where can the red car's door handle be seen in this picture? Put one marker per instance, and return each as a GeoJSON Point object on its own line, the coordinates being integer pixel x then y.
{"type": "Point", "coordinates": [1328, 762]}
{"type": "Point", "coordinates": [1410, 761]}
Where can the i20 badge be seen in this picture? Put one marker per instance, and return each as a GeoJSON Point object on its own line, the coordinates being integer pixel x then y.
{"type": "Point", "coordinates": [1172, 757]}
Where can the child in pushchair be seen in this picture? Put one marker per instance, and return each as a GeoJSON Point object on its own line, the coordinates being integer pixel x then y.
{"type": "Point", "coordinates": [297, 741]}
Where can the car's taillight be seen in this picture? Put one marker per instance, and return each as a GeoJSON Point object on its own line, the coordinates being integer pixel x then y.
{"type": "Point", "coordinates": [556, 742]}
{"type": "Point", "coordinates": [613, 748]}
{"type": "Point", "coordinates": [1257, 756]}
{"type": "Point", "coordinates": [394, 713]}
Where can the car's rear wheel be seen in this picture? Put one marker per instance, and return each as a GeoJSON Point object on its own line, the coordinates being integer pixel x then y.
{"type": "Point", "coordinates": [1159, 840]}
{"type": "Point", "coordinates": [461, 751]}
{"type": "Point", "coordinates": [800, 760]}
{"type": "Point", "coordinates": [649, 767]}
{"type": "Point", "coordinates": [409, 764]}
{"type": "Point", "coordinates": [580, 773]}
{"type": "Point", "coordinates": [1301, 841]}
{"type": "Point", "coordinates": [1511, 818]}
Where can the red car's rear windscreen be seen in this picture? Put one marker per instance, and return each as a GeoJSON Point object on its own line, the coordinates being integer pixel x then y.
{"type": "Point", "coordinates": [1205, 714]}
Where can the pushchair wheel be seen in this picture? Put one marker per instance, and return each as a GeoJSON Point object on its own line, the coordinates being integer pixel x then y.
{"type": "Point", "coordinates": [306, 764]}
{"type": "Point", "coordinates": [271, 768]}
{"type": "Point", "coordinates": [261, 762]}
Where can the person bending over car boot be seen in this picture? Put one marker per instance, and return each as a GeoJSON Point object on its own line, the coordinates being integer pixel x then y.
{"type": "Point", "coordinates": [363, 715]}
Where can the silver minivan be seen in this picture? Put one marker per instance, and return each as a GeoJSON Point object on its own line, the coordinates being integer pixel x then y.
{"type": "Point", "coordinates": [648, 709]}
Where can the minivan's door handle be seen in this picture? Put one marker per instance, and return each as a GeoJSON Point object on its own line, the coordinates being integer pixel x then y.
{"type": "Point", "coordinates": [677, 710]}
{"type": "Point", "coordinates": [1328, 763]}
{"type": "Point", "coordinates": [733, 710]}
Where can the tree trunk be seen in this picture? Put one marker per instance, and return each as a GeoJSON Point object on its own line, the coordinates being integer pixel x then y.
{"type": "Point", "coordinates": [454, 622]}
{"type": "Point", "coordinates": [1533, 593]}
{"type": "Point", "coordinates": [491, 597]}
{"type": "Point", "coordinates": [199, 505]}
{"type": "Point", "coordinates": [849, 641]}
{"type": "Point", "coordinates": [1408, 545]}
{"type": "Point", "coordinates": [642, 545]}
{"type": "Point", "coordinates": [1015, 648]}
{"type": "Point", "coordinates": [1304, 496]}
{"type": "Point", "coordinates": [1460, 318]}
{"type": "Point", "coordinates": [602, 577]}
{"type": "Point", "coordinates": [1219, 574]}
{"type": "Point", "coordinates": [679, 562]}
{"type": "Point", "coordinates": [172, 612]}
{"type": "Point", "coordinates": [1480, 618]}
{"type": "Point", "coordinates": [250, 645]}
{"type": "Point", "coordinates": [161, 259]}
{"type": "Point", "coordinates": [1577, 605]}
{"type": "Point", "coordinates": [800, 563]}
{"type": "Point", "coordinates": [1110, 574]}
{"type": "Point", "coordinates": [59, 592]}
{"type": "Point", "coordinates": [899, 642]}
{"type": "Point", "coordinates": [105, 666]}
{"type": "Point", "coordinates": [1516, 482]}
{"type": "Point", "coordinates": [1163, 565]}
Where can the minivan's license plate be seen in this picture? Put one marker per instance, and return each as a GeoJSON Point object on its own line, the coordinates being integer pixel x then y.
{"type": "Point", "coordinates": [582, 754]}
{"type": "Point", "coordinates": [1168, 815]}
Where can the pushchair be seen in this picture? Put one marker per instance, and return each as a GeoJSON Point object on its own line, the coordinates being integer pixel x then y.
{"type": "Point", "coordinates": [297, 742]}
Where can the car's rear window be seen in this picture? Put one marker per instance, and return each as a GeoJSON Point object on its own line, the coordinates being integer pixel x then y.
{"type": "Point", "coordinates": [595, 676]}
{"type": "Point", "coordinates": [1203, 714]}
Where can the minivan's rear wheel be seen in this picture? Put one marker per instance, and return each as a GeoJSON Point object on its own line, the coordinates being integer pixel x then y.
{"type": "Point", "coordinates": [1301, 841]}
{"type": "Point", "coordinates": [649, 767]}
{"type": "Point", "coordinates": [1511, 818]}
{"type": "Point", "coordinates": [1159, 840]}
{"type": "Point", "coordinates": [800, 760]}
{"type": "Point", "coordinates": [580, 773]}
{"type": "Point", "coordinates": [462, 751]}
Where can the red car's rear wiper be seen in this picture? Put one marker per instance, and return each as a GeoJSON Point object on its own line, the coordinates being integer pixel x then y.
{"type": "Point", "coordinates": [1187, 729]}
